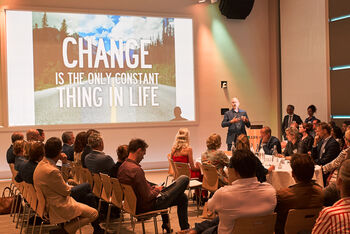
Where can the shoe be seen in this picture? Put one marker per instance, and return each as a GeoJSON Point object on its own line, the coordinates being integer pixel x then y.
{"type": "Point", "coordinates": [166, 228]}
{"type": "Point", "coordinates": [101, 231]}
{"type": "Point", "coordinates": [58, 231]}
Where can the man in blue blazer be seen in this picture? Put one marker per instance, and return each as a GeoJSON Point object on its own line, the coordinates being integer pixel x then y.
{"type": "Point", "coordinates": [268, 142]}
{"type": "Point", "coordinates": [97, 161]}
{"type": "Point", "coordinates": [236, 120]}
{"type": "Point", "coordinates": [325, 147]}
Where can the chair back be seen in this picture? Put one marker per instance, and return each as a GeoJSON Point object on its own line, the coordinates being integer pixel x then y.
{"type": "Point", "coordinates": [97, 189]}
{"type": "Point", "coordinates": [76, 169]}
{"type": "Point", "coordinates": [13, 170]}
{"type": "Point", "coordinates": [301, 220]}
{"type": "Point", "coordinates": [210, 177]}
{"type": "Point", "coordinates": [106, 187]}
{"type": "Point", "coordinates": [130, 199]}
{"type": "Point", "coordinates": [117, 193]}
{"type": "Point", "coordinates": [41, 207]}
{"type": "Point", "coordinates": [87, 177]}
{"type": "Point", "coordinates": [250, 225]}
{"type": "Point", "coordinates": [33, 197]}
{"type": "Point", "coordinates": [171, 170]}
{"type": "Point", "coordinates": [182, 169]}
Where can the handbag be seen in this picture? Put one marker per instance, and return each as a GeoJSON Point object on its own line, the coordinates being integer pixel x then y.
{"type": "Point", "coordinates": [7, 201]}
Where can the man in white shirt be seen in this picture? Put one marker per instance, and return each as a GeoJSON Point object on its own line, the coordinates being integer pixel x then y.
{"type": "Point", "coordinates": [245, 197]}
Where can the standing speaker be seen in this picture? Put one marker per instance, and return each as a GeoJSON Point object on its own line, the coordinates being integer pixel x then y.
{"type": "Point", "coordinates": [236, 9]}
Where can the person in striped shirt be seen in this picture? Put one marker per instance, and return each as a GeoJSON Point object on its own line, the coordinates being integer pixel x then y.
{"type": "Point", "coordinates": [336, 218]}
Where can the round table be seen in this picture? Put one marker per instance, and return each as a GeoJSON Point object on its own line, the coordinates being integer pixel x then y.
{"type": "Point", "coordinates": [281, 177]}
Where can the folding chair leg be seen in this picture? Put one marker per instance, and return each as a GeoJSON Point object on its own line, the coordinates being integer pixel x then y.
{"type": "Point", "coordinates": [23, 217]}
{"type": "Point", "coordinates": [18, 200]}
{"type": "Point", "coordinates": [143, 227]}
{"type": "Point", "coordinates": [13, 205]}
{"type": "Point", "coordinates": [30, 212]}
{"type": "Point", "coordinates": [155, 224]}
{"type": "Point", "coordinates": [41, 226]}
{"type": "Point", "coordinates": [108, 216]}
{"type": "Point", "coordinates": [34, 222]}
{"type": "Point", "coordinates": [24, 208]}
{"type": "Point", "coordinates": [99, 205]}
{"type": "Point", "coordinates": [132, 223]}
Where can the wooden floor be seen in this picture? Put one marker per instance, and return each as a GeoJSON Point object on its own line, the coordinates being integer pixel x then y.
{"type": "Point", "coordinates": [7, 226]}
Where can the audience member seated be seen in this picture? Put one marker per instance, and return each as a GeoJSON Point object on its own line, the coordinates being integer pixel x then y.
{"type": "Point", "coordinates": [315, 124]}
{"type": "Point", "coordinates": [182, 151]}
{"type": "Point", "coordinates": [153, 197]}
{"type": "Point", "coordinates": [97, 161]}
{"type": "Point", "coordinates": [10, 156]}
{"type": "Point", "coordinates": [122, 153]}
{"type": "Point", "coordinates": [18, 150]}
{"type": "Point", "coordinates": [331, 193]}
{"type": "Point", "coordinates": [345, 125]}
{"type": "Point", "coordinates": [292, 135]}
{"type": "Point", "coordinates": [268, 142]}
{"type": "Point", "coordinates": [336, 219]}
{"type": "Point", "coordinates": [311, 110]}
{"type": "Point", "coordinates": [41, 136]}
{"type": "Point", "coordinates": [79, 145]}
{"type": "Point", "coordinates": [68, 141]}
{"type": "Point", "coordinates": [338, 135]}
{"type": "Point", "coordinates": [216, 157]}
{"type": "Point", "coordinates": [289, 119]}
{"type": "Point", "coordinates": [64, 202]}
{"type": "Point", "coordinates": [303, 195]}
{"type": "Point", "coordinates": [87, 148]}
{"type": "Point", "coordinates": [32, 135]}
{"type": "Point", "coordinates": [245, 197]}
{"type": "Point", "coordinates": [306, 141]}
{"type": "Point", "coordinates": [36, 154]}
{"type": "Point", "coordinates": [325, 148]}
{"type": "Point", "coordinates": [242, 143]}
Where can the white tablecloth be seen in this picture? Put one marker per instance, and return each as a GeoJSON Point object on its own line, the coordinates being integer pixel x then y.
{"type": "Point", "coordinates": [281, 177]}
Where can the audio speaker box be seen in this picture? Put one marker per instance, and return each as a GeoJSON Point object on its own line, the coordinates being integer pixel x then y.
{"type": "Point", "coordinates": [236, 9]}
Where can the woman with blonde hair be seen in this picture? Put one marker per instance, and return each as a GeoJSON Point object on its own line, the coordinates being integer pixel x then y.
{"type": "Point", "coordinates": [216, 157]}
{"type": "Point", "coordinates": [182, 151]}
{"type": "Point", "coordinates": [242, 143]}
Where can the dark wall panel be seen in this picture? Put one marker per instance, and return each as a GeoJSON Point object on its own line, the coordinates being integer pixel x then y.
{"type": "Point", "coordinates": [340, 92]}
{"type": "Point", "coordinates": [338, 8]}
{"type": "Point", "coordinates": [339, 42]}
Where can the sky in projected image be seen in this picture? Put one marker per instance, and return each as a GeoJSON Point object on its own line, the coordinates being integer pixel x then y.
{"type": "Point", "coordinates": [107, 26]}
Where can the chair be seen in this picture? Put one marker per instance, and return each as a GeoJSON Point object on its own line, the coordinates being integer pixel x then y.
{"type": "Point", "coordinates": [250, 225]}
{"type": "Point", "coordinates": [171, 170]}
{"type": "Point", "coordinates": [301, 220]}
{"type": "Point", "coordinates": [87, 177]}
{"type": "Point", "coordinates": [41, 210]}
{"type": "Point", "coordinates": [129, 206]}
{"type": "Point", "coordinates": [97, 188]}
{"type": "Point", "coordinates": [76, 169]}
{"type": "Point", "coordinates": [210, 178]}
{"type": "Point", "coordinates": [184, 169]}
{"type": "Point", "coordinates": [109, 188]}
{"type": "Point", "coordinates": [228, 153]}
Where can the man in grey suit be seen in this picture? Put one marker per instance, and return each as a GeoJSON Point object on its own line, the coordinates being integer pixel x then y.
{"type": "Point", "coordinates": [97, 161]}
{"type": "Point", "coordinates": [236, 120]}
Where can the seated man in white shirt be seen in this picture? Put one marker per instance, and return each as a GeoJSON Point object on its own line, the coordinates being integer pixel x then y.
{"type": "Point", "coordinates": [245, 197]}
